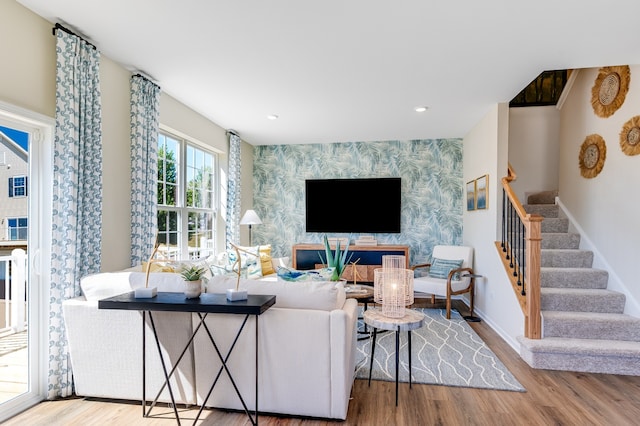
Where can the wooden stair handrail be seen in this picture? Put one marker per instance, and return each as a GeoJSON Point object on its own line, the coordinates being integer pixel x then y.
{"type": "Point", "coordinates": [530, 300]}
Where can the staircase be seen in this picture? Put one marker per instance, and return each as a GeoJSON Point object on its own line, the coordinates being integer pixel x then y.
{"type": "Point", "coordinates": [583, 325]}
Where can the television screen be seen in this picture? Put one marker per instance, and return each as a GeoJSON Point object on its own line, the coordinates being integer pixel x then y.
{"type": "Point", "coordinates": [353, 205]}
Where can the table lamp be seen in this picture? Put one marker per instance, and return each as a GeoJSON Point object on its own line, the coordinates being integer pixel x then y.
{"type": "Point", "coordinates": [250, 218]}
{"type": "Point", "coordinates": [393, 286]}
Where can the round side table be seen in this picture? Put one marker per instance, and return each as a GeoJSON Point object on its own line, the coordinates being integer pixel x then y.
{"type": "Point", "coordinates": [363, 294]}
{"type": "Point", "coordinates": [410, 321]}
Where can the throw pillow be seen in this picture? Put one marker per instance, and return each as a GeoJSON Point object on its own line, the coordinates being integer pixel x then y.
{"type": "Point", "coordinates": [440, 268]}
{"type": "Point", "coordinates": [265, 258]}
{"type": "Point", "coordinates": [288, 274]}
{"type": "Point", "coordinates": [225, 263]}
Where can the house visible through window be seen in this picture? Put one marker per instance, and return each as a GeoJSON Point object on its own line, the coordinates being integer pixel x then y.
{"type": "Point", "coordinates": [186, 198]}
{"type": "Point", "coordinates": [18, 186]}
{"type": "Point", "coordinates": [17, 228]}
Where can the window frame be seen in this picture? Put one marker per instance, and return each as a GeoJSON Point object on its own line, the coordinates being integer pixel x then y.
{"type": "Point", "coordinates": [181, 209]}
{"type": "Point", "coordinates": [17, 228]}
{"type": "Point", "coordinates": [13, 186]}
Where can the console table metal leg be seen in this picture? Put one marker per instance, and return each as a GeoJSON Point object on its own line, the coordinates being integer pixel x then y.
{"type": "Point", "coordinates": [144, 364]}
{"type": "Point", "coordinates": [373, 351]}
{"type": "Point", "coordinates": [256, 416]}
{"type": "Point", "coordinates": [167, 376]}
{"type": "Point", "coordinates": [409, 341]}
{"type": "Point", "coordinates": [397, 359]}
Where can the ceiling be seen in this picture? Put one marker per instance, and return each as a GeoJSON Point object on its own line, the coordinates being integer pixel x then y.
{"type": "Point", "coordinates": [349, 70]}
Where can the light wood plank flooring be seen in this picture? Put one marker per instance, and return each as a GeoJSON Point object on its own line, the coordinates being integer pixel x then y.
{"type": "Point", "coordinates": [552, 398]}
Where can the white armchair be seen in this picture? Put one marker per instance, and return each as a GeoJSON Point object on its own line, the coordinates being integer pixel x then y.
{"type": "Point", "coordinates": [450, 273]}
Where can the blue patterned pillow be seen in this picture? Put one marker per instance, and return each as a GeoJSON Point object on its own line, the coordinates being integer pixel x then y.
{"type": "Point", "coordinates": [288, 274]}
{"type": "Point", "coordinates": [440, 268]}
{"type": "Point", "coordinates": [225, 263]}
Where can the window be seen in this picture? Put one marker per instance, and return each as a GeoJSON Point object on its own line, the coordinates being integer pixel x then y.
{"type": "Point", "coordinates": [186, 198]}
{"type": "Point", "coordinates": [17, 228]}
{"type": "Point", "coordinates": [18, 186]}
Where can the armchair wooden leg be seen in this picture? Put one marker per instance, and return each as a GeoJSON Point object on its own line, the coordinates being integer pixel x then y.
{"type": "Point", "coordinates": [433, 299]}
{"type": "Point", "coordinates": [448, 307]}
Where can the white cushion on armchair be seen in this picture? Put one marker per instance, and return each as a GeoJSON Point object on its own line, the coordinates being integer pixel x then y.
{"type": "Point", "coordinates": [438, 286]}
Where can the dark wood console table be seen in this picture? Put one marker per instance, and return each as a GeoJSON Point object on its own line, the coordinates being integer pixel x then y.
{"type": "Point", "coordinates": [207, 303]}
{"type": "Point", "coordinates": [307, 256]}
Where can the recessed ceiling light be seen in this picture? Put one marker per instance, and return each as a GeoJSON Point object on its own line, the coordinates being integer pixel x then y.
{"type": "Point", "coordinates": [421, 108]}
{"type": "Point", "coordinates": [272, 117]}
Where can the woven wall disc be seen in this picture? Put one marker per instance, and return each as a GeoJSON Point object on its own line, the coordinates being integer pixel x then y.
{"type": "Point", "coordinates": [630, 136]}
{"type": "Point", "coordinates": [593, 152]}
{"type": "Point", "coordinates": [610, 89]}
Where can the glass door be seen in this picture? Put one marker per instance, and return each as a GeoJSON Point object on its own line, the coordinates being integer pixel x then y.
{"type": "Point", "coordinates": [25, 145]}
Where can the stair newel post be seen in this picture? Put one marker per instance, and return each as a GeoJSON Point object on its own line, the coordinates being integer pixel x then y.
{"type": "Point", "coordinates": [533, 320]}
{"type": "Point", "coordinates": [523, 256]}
{"type": "Point", "coordinates": [504, 220]}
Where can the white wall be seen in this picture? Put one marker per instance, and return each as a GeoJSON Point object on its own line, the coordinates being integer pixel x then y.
{"type": "Point", "coordinates": [27, 80]}
{"type": "Point", "coordinates": [606, 207]}
{"type": "Point", "coordinates": [485, 152]}
{"type": "Point", "coordinates": [28, 52]}
{"type": "Point", "coordinates": [534, 134]}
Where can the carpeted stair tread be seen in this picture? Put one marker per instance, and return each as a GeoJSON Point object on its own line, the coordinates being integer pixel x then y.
{"type": "Point", "coordinates": [581, 300]}
{"type": "Point", "coordinates": [573, 277]}
{"type": "Point", "coordinates": [544, 210]}
{"type": "Point", "coordinates": [560, 240]}
{"type": "Point", "coordinates": [586, 355]}
{"type": "Point", "coordinates": [543, 197]}
{"type": "Point", "coordinates": [554, 224]}
{"type": "Point", "coordinates": [591, 325]}
{"type": "Point", "coordinates": [566, 258]}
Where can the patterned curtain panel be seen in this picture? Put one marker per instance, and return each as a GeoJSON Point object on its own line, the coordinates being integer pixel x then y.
{"type": "Point", "coordinates": [233, 191]}
{"type": "Point", "coordinates": [145, 111]}
{"type": "Point", "coordinates": [77, 192]}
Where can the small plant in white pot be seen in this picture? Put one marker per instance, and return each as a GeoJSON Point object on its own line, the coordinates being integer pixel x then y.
{"type": "Point", "coordinates": [192, 276]}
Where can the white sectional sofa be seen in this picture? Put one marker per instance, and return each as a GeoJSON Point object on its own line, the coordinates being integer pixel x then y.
{"type": "Point", "coordinates": [306, 356]}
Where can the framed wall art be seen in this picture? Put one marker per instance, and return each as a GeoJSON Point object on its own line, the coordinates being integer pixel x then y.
{"type": "Point", "coordinates": [471, 195]}
{"type": "Point", "coordinates": [482, 192]}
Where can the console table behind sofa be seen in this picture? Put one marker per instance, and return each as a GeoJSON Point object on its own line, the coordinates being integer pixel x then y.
{"type": "Point", "coordinates": [307, 256]}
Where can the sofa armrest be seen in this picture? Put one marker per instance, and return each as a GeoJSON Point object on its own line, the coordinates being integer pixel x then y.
{"type": "Point", "coordinates": [105, 347]}
{"type": "Point", "coordinates": [343, 356]}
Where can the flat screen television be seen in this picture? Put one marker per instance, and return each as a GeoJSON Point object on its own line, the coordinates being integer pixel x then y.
{"type": "Point", "coordinates": [353, 205]}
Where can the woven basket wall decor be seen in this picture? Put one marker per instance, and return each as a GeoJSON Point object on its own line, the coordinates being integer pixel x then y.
{"type": "Point", "coordinates": [593, 152]}
{"type": "Point", "coordinates": [610, 89]}
{"type": "Point", "coordinates": [630, 136]}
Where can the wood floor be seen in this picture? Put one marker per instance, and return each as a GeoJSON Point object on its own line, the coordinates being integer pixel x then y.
{"type": "Point", "coordinates": [552, 398]}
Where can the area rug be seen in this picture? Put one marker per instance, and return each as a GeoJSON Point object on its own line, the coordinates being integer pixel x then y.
{"type": "Point", "coordinates": [444, 352]}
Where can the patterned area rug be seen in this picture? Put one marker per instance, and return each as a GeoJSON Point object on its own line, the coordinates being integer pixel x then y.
{"type": "Point", "coordinates": [444, 352]}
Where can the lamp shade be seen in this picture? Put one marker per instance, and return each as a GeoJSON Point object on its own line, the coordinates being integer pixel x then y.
{"type": "Point", "coordinates": [250, 218]}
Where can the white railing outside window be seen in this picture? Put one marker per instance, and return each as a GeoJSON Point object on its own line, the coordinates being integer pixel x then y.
{"type": "Point", "coordinates": [13, 272]}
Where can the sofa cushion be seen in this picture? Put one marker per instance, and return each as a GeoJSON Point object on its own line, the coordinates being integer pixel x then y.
{"type": "Point", "coordinates": [318, 295]}
{"type": "Point", "coordinates": [107, 284]}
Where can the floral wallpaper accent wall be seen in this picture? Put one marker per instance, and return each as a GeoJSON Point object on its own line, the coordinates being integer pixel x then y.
{"type": "Point", "coordinates": [432, 189]}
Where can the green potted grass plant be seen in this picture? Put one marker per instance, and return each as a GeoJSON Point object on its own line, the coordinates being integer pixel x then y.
{"type": "Point", "coordinates": [336, 259]}
{"type": "Point", "coordinates": [193, 275]}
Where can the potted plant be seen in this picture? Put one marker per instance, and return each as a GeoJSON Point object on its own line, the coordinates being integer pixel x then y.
{"type": "Point", "coordinates": [335, 259]}
{"type": "Point", "coordinates": [193, 276]}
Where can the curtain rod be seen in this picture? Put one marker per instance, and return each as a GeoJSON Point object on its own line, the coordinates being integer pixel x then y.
{"type": "Point", "coordinates": [144, 77]}
{"type": "Point", "coordinates": [68, 31]}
